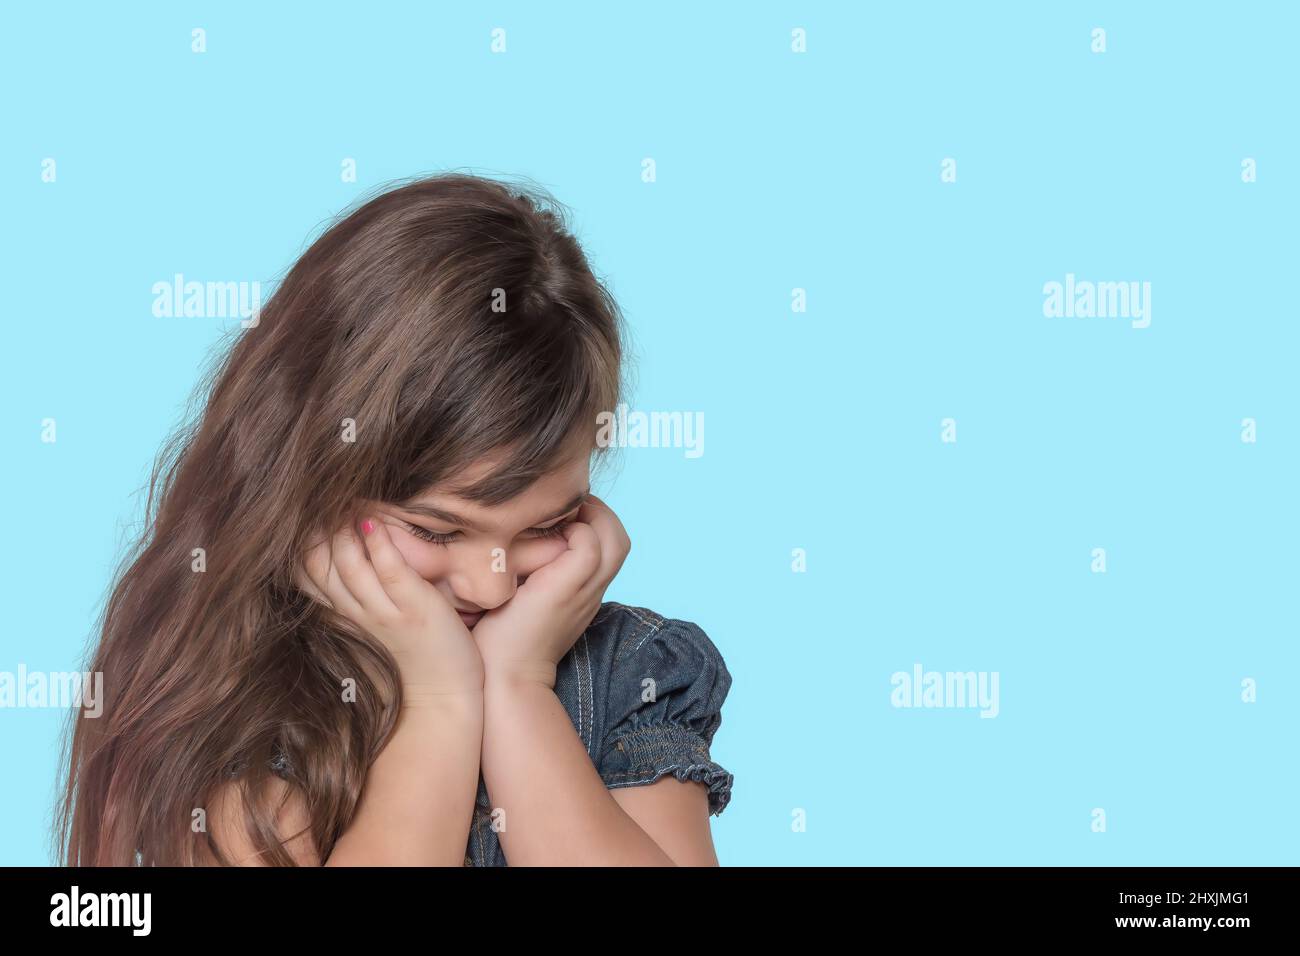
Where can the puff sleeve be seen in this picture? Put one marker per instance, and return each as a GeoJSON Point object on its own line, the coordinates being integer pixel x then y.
{"type": "Point", "coordinates": [666, 691]}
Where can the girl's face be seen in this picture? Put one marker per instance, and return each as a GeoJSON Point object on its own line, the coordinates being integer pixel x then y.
{"type": "Point", "coordinates": [478, 555]}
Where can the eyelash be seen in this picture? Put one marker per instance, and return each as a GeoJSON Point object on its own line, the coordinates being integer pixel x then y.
{"type": "Point", "coordinates": [434, 537]}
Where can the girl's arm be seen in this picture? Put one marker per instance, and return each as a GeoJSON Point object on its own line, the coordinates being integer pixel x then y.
{"type": "Point", "coordinates": [556, 809]}
{"type": "Point", "coordinates": [417, 805]}
{"type": "Point", "coordinates": [418, 799]}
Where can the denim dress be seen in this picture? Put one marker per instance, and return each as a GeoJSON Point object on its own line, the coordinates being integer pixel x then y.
{"type": "Point", "coordinates": [645, 696]}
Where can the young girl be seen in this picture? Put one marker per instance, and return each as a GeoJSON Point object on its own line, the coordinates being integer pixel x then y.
{"type": "Point", "coordinates": [365, 624]}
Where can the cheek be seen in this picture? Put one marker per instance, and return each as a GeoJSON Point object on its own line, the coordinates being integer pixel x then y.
{"type": "Point", "coordinates": [430, 561]}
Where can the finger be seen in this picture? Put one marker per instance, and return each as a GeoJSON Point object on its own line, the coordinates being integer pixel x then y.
{"type": "Point", "coordinates": [309, 587]}
{"type": "Point", "coordinates": [320, 569]}
{"type": "Point", "coordinates": [577, 564]}
{"type": "Point", "coordinates": [316, 566]}
{"type": "Point", "coordinates": [614, 541]}
{"type": "Point", "coordinates": [340, 594]}
{"type": "Point", "coordinates": [399, 580]}
{"type": "Point", "coordinates": [356, 572]}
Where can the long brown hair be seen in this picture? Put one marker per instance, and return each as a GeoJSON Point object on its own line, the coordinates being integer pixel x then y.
{"type": "Point", "coordinates": [382, 364]}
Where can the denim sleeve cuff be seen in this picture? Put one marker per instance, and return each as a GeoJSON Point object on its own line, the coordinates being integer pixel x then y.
{"type": "Point", "coordinates": [650, 752]}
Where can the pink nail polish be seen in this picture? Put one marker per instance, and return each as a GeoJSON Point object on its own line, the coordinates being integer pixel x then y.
{"type": "Point", "coordinates": [367, 526]}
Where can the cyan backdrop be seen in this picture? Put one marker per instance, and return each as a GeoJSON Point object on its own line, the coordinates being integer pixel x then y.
{"type": "Point", "coordinates": [774, 170]}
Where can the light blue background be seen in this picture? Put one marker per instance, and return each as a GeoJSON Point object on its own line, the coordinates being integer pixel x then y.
{"type": "Point", "coordinates": [775, 171]}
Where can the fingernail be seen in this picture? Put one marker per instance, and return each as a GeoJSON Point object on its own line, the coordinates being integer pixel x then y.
{"type": "Point", "coordinates": [367, 526]}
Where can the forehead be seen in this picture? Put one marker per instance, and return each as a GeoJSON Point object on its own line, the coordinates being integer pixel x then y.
{"type": "Point", "coordinates": [550, 492]}
{"type": "Point", "coordinates": [573, 465]}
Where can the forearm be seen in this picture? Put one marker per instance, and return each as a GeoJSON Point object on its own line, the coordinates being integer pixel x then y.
{"type": "Point", "coordinates": [418, 801]}
{"type": "Point", "coordinates": [557, 811]}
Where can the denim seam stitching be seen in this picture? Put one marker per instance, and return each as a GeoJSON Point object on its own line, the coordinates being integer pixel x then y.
{"type": "Point", "coordinates": [718, 780]}
{"type": "Point", "coordinates": [591, 690]}
{"type": "Point", "coordinates": [650, 629]}
{"type": "Point", "coordinates": [637, 614]}
{"type": "Point", "coordinates": [657, 771]}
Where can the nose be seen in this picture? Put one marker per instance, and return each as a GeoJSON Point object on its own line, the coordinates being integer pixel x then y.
{"type": "Point", "coordinates": [485, 584]}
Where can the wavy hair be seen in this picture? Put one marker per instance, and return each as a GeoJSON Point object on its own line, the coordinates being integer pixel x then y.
{"type": "Point", "coordinates": [382, 365]}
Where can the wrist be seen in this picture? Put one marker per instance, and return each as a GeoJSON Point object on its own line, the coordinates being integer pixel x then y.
{"type": "Point", "coordinates": [516, 672]}
{"type": "Point", "coordinates": [430, 676]}
{"type": "Point", "coordinates": [440, 696]}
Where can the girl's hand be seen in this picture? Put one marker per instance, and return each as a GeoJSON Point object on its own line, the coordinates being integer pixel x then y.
{"type": "Point", "coordinates": [365, 578]}
{"type": "Point", "coordinates": [529, 634]}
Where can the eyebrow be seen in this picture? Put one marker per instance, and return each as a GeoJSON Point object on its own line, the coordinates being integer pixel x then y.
{"type": "Point", "coordinates": [438, 514]}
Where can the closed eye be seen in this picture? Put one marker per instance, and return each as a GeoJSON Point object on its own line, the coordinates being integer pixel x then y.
{"type": "Point", "coordinates": [437, 537]}
{"type": "Point", "coordinates": [554, 531]}
{"type": "Point", "coordinates": [433, 537]}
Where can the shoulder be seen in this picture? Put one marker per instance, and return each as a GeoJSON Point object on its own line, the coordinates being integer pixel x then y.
{"type": "Point", "coordinates": [227, 820]}
{"type": "Point", "coordinates": [659, 688]}
{"type": "Point", "coordinates": [623, 636]}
